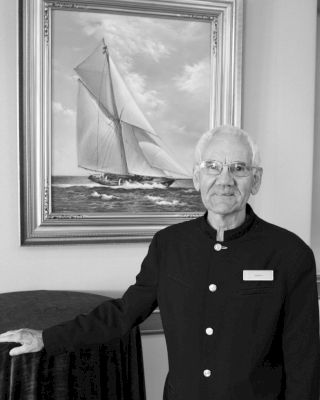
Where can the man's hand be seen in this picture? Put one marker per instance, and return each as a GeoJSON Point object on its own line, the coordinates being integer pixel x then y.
{"type": "Point", "coordinates": [30, 339]}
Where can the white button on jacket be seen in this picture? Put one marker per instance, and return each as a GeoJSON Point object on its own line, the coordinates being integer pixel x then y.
{"type": "Point", "coordinates": [212, 287]}
{"type": "Point", "coordinates": [207, 373]}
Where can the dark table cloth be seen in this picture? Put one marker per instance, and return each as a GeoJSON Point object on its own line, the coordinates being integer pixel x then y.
{"type": "Point", "coordinates": [112, 371]}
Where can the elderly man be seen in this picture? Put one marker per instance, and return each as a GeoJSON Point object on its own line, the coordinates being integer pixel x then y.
{"type": "Point", "coordinates": [237, 295]}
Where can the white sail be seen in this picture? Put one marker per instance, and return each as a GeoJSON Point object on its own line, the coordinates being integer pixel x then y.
{"type": "Point", "coordinates": [136, 160]}
{"type": "Point", "coordinates": [161, 159]}
{"type": "Point", "coordinates": [145, 157]}
{"type": "Point", "coordinates": [99, 148]}
{"type": "Point", "coordinates": [127, 107]}
{"type": "Point", "coordinates": [99, 73]}
{"type": "Point", "coordinates": [94, 73]}
{"type": "Point", "coordinates": [133, 140]}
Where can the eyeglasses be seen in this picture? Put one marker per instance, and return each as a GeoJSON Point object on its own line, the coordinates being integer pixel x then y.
{"type": "Point", "coordinates": [236, 168]}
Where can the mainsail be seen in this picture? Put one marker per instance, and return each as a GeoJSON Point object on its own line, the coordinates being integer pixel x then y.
{"type": "Point", "coordinates": [114, 136]}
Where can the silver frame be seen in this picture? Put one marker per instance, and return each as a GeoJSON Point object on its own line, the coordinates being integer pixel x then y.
{"type": "Point", "coordinates": [38, 224]}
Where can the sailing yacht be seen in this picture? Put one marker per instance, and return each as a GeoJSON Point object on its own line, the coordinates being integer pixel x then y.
{"type": "Point", "coordinates": [115, 140]}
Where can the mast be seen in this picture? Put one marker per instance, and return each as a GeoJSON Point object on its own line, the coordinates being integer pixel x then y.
{"type": "Point", "coordinates": [117, 118]}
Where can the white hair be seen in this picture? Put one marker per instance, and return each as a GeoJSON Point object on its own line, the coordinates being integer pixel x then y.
{"type": "Point", "coordinates": [206, 138]}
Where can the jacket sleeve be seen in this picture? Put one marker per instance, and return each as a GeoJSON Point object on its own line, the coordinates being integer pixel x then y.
{"type": "Point", "coordinates": [301, 348]}
{"type": "Point", "coordinates": [113, 318]}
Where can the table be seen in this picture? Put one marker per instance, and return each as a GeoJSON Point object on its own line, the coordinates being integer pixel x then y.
{"type": "Point", "coordinates": [112, 371]}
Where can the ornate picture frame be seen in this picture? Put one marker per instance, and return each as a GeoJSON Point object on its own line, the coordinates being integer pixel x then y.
{"type": "Point", "coordinates": [57, 206]}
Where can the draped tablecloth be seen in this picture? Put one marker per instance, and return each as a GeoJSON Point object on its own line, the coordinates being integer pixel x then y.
{"type": "Point", "coordinates": [112, 371]}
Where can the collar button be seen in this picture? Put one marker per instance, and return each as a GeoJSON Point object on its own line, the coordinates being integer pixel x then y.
{"type": "Point", "coordinates": [217, 246]}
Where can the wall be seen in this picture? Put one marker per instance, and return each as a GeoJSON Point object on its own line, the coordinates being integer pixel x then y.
{"type": "Point", "coordinates": [278, 95]}
{"type": "Point", "coordinates": [279, 79]}
{"type": "Point", "coordinates": [315, 226]}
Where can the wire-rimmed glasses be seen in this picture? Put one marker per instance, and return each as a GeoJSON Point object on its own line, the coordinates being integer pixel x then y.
{"type": "Point", "coordinates": [236, 168]}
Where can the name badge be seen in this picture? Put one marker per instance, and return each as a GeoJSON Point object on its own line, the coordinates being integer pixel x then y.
{"type": "Point", "coordinates": [257, 275]}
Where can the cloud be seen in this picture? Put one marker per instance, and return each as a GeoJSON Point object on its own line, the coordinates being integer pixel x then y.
{"type": "Point", "coordinates": [58, 108]}
{"type": "Point", "coordinates": [126, 35]}
{"type": "Point", "coordinates": [60, 73]}
{"type": "Point", "coordinates": [194, 78]}
{"type": "Point", "coordinates": [180, 142]}
{"type": "Point", "coordinates": [193, 32]}
{"type": "Point", "coordinates": [149, 99]}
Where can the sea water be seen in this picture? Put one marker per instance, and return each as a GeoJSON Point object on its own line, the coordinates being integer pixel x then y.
{"type": "Point", "coordinates": [74, 194]}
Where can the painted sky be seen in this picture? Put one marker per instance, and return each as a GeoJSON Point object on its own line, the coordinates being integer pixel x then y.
{"type": "Point", "coordinates": [164, 62]}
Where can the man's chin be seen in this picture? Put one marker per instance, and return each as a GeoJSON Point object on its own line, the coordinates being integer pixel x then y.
{"type": "Point", "coordinates": [223, 207]}
{"type": "Point", "coordinates": [222, 211]}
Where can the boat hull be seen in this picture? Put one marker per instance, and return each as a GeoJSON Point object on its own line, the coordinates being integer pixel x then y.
{"type": "Point", "coordinates": [122, 180]}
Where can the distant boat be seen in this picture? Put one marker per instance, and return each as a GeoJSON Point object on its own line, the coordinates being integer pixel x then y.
{"type": "Point", "coordinates": [115, 139]}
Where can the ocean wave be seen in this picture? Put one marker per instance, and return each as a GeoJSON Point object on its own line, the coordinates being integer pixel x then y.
{"type": "Point", "coordinates": [95, 194]}
{"type": "Point", "coordinates": [137, 185]}
{"type": "Point", "coordinates": [66, 185]}
{"type": "Point", "coordinates": [188, 191]}
{"type": "Point", "coordinates": [103, 196]}
{"type": "Point", "coordinates": [169, 203]}
{"type": "Point", "coordinates": [153, 198]}
{"type": "Point", "coordinates": [109, 197]}
{"type": "Point", "coordinates": [164, 202]}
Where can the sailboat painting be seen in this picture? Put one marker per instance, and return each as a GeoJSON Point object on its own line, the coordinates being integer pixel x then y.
{"type": "Point", "coordinates": [126, 120]}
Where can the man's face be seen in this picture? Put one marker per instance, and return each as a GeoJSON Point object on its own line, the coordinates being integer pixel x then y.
{"type": "Point", "coordinates": [226, 194]}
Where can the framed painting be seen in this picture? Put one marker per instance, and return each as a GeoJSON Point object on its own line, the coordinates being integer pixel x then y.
{"type": "Point", "coordinates": [113, 98]}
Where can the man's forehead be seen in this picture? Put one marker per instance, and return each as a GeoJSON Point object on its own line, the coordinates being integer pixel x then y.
{"type": "Point", "coordinates": [227, 147]}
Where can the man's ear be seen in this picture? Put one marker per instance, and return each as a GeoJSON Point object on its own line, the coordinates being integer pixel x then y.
{"type": "Point", "coordinates": [257, 177]}
{"type": "Point", "coordinates": [196, 178]}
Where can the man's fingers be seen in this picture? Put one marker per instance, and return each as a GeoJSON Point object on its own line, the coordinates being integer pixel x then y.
{"type": "Point", "coordinates": [30, 339]}
{"type": "Point", "coordinates": [11, 336]}
{"type": "Point", "coordinates": [16, 351]}
{"type": "Point", "coordinates": [6, 333]}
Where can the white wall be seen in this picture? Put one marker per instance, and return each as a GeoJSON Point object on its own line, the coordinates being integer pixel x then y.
{"type": "Point", "coordinates": [278, 109]}
{"type": "Point", "coordinates": [279, 80]}
{"type": "Point", "coordinates": [315, 231]}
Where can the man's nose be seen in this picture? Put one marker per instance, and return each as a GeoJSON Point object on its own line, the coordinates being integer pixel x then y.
{"type": "Point", "coordinates": [226, 177]}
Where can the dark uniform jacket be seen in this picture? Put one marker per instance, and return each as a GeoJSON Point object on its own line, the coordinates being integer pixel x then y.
{"type": "Point", "coordinates": [227, 338]}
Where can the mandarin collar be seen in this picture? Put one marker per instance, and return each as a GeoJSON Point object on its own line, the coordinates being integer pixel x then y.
{"type": "Point", "coordinates": [230, 234]}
